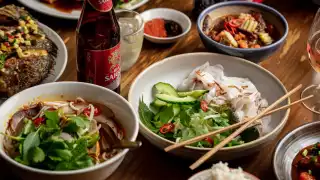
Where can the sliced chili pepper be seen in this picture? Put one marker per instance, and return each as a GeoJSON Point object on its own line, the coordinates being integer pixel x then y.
{"type": "Point", "coordinates": [87, 111]}
{"type": "Point", "coordinates": [38, 121]}
{"type": "Point", "coordinates": [209, 140]}
{"type": "Point", "coordinates": [230, 29]}
{"type": "Point", "coordinates": [204, 105]}
{"type": "Point", "coordinates": [6, 44]}
{"type": "Point", "coordinates": [10, 36]}
{"type": "Point", "coordinates": [167, 128]}
{"type": "Point", "coordinates": [235, 22]}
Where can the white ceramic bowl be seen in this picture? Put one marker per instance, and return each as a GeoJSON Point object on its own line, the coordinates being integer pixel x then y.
{"type": "Point", "coordinates": [70, 90]}
{"type": "Point", "coordinates": [169, 14]}
{"type": "Point", "coordinates": [206, 175]}
{"type": "Point", "coordinates": [174, 69]}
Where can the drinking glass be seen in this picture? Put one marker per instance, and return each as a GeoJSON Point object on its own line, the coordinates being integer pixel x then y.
{"type": "Point", "coordinates": [131, 33]}
{"type": "Point", "coordinates": [313, 49]}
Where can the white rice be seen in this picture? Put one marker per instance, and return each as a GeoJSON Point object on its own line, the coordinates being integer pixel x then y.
{"type": "Point", "coordinates": [221, 171]}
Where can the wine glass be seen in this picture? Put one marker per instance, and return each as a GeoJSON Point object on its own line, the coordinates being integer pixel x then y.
{"type": "Point", "coordinates": [313, 49]}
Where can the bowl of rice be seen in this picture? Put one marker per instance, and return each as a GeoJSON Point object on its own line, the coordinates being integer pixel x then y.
{"type": "Point", "coordinates": [221, 171]}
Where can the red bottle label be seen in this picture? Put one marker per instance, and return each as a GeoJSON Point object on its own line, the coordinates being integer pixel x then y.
{"type": "Point", "coordinates": [101, 5]}
{"type": "Point", "coordinates": [103, 67]}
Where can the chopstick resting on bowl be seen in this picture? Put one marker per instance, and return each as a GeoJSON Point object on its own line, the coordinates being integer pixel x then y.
{"type": "Point", "coordinates": [241, 129]}
{"type": "Point", "coordinates": [233, 126]}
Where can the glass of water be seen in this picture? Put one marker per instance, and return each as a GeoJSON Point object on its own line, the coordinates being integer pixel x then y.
{"type": "Point", "coordinates": [131, 32]}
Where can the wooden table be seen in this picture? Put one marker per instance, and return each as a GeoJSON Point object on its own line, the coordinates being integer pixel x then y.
{"type": "Point", "coordinates": [289, 64]}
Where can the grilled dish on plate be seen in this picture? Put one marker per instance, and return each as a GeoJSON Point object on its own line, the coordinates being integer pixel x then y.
{"type": "Point", "coordinates": [27, 55]}
{"type": "Point", "coordinates": [71, 9]}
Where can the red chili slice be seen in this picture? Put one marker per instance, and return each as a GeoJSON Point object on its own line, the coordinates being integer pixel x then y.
{"type": "Point", "coordinates": [209, 140]}
{"type": "Point", "coordinates": [6, 44]}
{"type": "Point", "coordinates": [167, 128]}
{"type": "Point", "coordinates": [204, 105]}
{"type": "Point", "coordinates": [87, 111]}
{"type": "Point", "coordinates": [38, 121]}
{"type": "Point", "coordinates": [235, 22]}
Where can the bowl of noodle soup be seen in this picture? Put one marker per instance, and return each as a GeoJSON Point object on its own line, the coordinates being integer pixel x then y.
{"type": "Point", "coordinates": [66, 130]}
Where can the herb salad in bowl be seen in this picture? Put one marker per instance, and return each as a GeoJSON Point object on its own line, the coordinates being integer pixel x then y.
{"type": "Point", "coordinates": [193, 94]}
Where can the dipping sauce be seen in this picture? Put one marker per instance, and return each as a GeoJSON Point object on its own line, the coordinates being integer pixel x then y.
{"type": "Point", "coordinates": [162, 28]}
{"type": "Point", "coordinates": [306, 164]}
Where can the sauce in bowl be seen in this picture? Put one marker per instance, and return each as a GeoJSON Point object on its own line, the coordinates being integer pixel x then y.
{"type": "Point", "coordinates": [306, 164]}
{"type": "Point", "coordinates": [162, 28]}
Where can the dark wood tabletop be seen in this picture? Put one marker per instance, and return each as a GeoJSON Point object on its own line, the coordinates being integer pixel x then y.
{"type": "Point", "coordinates": [290, 64]}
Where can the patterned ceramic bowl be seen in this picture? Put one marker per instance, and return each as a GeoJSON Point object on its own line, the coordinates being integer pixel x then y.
{"type": "Point", "coordinates": [237, 7]}
{"type": "Point", "coordinates": [290, 145]}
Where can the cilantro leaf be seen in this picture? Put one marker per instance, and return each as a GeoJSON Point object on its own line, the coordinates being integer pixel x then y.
{"type": "Point", "coordinates": [31, 141]}
{"type": "Point", "coordinates": [75, 124]}
{"type": "Point", "coordinates": [28, 127]}
{"type": "Point", "coordinates": [64, 154]}
{"type": "Point", "coordinates": [146, 116]}
{"type": "Point", "coordinates": [91, 140]}
{"type": "Point", "coordinates": [52, 119]}
{"type": "Point", "coordinates": [36, 155]}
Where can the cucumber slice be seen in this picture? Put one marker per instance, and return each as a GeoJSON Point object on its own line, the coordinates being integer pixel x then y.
{"type": "Point", "coordinates": [158, 103]}
{"type": "Point", "coordinates": [195, 93]}
{"type": "Point", "coordinates": [164, 88]}
{"type": "Point", "coordinates": [176, 100]}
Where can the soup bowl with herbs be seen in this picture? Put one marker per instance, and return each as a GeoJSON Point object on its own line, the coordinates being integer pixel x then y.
{"type": "Point", "coordinates": [248, 30]}
{"type": "Point", "coordinates": [66, 131]}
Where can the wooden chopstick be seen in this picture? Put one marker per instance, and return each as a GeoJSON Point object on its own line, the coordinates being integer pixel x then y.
{"type": "Point", "coordinates": [233, 126]}
{"type": "Point", "coordinates": [241, 129]}
{"type": "Point", "coordinates": [66, 40]}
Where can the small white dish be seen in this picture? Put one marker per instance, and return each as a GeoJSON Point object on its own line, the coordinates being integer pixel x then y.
{"type": "Point", "coordinates": [169, 14]}
{"type": "Point", "coordinates": [206, 175]}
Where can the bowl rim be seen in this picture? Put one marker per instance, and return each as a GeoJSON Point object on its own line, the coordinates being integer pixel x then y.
{"type": "Point", "coordinates": [181, 14]}
{"type": "Point", "coordinates": [252, 177]}
{"type": "Point", "coordinates": [245, 145]}
{"type": "Point", "coordinates": [244, 3]}
{"type": "Point", "coordinates": [79, 171]}
{"type": "Point", "coordinates": [285, 138]}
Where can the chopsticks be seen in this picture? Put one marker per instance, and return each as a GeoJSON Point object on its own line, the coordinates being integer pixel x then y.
{"type": "Point", "coordinates": [241, 129]}
{"type": "Point", "coordinates": [233, 126]}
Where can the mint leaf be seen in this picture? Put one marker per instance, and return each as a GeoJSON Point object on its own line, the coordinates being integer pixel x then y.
{"type": "Point", "coordinates": [146, 116]}
{"type": "Point", "coordinates": [185, 118]}
{"type": "Point", "coordinates": [31, 141]}
{"type": "Point", "coordinates": [36, 155]}
{"type": "Point", "coordinates": [53, 119]}
{"type": "Point", "coordinates": [164, 116]}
